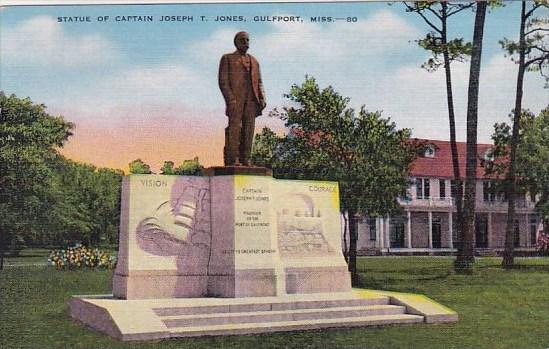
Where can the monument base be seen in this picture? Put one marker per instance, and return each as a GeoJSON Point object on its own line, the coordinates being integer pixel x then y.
{"type": "Point", "coordinates": [149, 319]}
{"type": "Point", "coordinates": [237, 170]}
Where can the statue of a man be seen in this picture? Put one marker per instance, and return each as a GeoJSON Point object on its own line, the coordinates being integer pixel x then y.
{"type": "Point", "coordinates": [240, 83]}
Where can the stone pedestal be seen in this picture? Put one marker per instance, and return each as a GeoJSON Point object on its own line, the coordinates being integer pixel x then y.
{"type": "Point", "coordinates": [228, 236]}
{"type": "Point", "coordinates": [235, 254]}
{"type": "Point", "coordinates": [165, 234]}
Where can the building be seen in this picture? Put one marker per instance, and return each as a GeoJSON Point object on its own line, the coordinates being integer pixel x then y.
{"type": "Point", "coordinates": [428, 222]}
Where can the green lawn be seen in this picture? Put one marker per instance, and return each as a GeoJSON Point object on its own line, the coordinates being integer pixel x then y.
{"type": "Point", "coordinates": [497, 309]}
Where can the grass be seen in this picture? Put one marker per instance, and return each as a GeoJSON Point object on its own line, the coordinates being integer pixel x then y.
{"type": "Point", "coordinates": [38, 256]}
{"type": "Point", "coordinates": [497, 309]}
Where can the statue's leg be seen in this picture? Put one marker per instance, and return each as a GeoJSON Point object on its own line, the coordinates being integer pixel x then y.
{"type": "Point", "coordinates": [247, 133]}
{"type": "Point", "coordinates": [225, 148]}
{"type": "Point", "coordinates": [232, 138]}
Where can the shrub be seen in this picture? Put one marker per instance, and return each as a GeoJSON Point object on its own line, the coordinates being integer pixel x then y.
{"type": "Point", "coordinates": [543, 243]}
{"type": "Point", "coordinates": [79, 257]}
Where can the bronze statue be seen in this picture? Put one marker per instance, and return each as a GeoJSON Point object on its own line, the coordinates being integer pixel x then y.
{"type": "Point", "coordinates": [240, 83]}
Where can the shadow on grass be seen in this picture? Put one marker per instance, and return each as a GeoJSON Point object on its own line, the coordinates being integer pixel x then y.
{"type": "Point", "coordinates": [408, 271]}
{"type": "Point", "coordinates": [368, 281]}
{"type": "Point", "coordinates": [518, 267]}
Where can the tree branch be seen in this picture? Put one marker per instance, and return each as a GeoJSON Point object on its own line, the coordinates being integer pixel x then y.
{"type": "Point", "coordinates": [539, 48]}
{"type": "Point", "coordinates": [534, 8]}
{"type": "Point", "coordinates": [536, 60]}
{"type": "Point", "coordinates": [412, 9]}
{"type": "Point", "coordinates": [434, 12]}
{"type": "Point", "coordinates": [461, 8]}
{"type": "Point", "coordinates": [536, 30]}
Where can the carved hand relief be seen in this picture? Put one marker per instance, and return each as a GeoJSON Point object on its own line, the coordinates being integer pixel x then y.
{"type": "Point", "coordinates": [178, 224]}
{"type": "Point", "coordinates": [300, 230]}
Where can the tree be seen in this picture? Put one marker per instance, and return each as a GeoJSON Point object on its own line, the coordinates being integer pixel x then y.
{"type": "Point", "coordinates": [137, 166]}
{"type": "Point", "coordinates": [327, 140]}
{"type": "Point", "coordinates": [167, 168]}
{"type": "Point", "coordinates": [532, 158]}
{"type": "Point", "coordinates": [29, 139]}
{"type": "Point", "coordinates": [189, 168]}
{"type": "Point", "coordinates": [88, 209]}
{"type": "Point", "coordinates": [264, 147]}
{"type": "Point", "coordinates": [465, 256]}
{"type": "Point", "coordinates": [533, 54]}
{"type": "Point", "coordinates": [444, 52]}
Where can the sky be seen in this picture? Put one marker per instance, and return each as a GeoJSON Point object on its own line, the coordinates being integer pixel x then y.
{"type": "Point", "coordinates": [149, 90]}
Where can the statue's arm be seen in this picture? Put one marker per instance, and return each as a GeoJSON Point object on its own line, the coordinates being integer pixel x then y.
{"type": "Point", "coordinates": [224, 84]}
{"type": "Point", "coordinates": [262, 99]}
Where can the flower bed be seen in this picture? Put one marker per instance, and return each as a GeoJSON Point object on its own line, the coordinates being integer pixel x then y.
{"type": "Point", "coordinates": [79, 257]}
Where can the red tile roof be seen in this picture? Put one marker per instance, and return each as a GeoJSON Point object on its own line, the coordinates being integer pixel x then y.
{"type": "Point", "coordinates": [440, 166]}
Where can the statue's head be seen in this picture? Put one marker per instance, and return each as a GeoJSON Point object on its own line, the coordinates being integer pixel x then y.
{"type": "Point", "coordinates": [242, 42]}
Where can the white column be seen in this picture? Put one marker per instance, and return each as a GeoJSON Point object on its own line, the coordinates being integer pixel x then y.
{"type": "Point", "coordinates": [451, 229]}
{"type": "Point", "coordinates": [381, 233]}
{"type": "Point", "coordinates": [527, 244]}
{"type": "Point", "coordinates": [489, 229]}
{"type": "Point", "coordinates": [377, 243]}
{"type": "Point", "coordinates": [409, 230]}
{"type": "Point", "coordinates": [430, 229]}
{"type": "Point", "coordinates": [388, 232]}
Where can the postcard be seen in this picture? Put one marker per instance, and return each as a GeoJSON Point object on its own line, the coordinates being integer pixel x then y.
{"type": "Point", "coordinates": [157, 88]}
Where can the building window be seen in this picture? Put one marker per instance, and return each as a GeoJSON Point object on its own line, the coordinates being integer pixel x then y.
{"type": "Point", "coordinates": [372, 228]}
{"type": "Point", "coordinates": [489, 191]}
{"type": "Point", "coordinates": [442, 188]}
{"type": "Point", "coordinates": [533, 231]}
{"type": "Point", "coordinates": [423, 188]}
{"type": "Point", "coordinates": [517, 233]}
{"type": "Point", "coordinates": [430, 151]}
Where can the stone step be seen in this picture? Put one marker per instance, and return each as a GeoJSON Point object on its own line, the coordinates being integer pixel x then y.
{"type": "Point", "coordinates": [298, 325]}
{"type": "Point", "coordinates": [281, 315]}
{"type": "Point", "coordinates": [269, 305]}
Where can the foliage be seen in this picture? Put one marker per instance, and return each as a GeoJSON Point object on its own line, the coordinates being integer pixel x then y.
{"type": "Point", "coordinates": [189, 168]}
{"type": "Point", "coordinates": [436, 16]}
{"type": "Point", "coordinates": [138, 166]}
{"type": "Point", "coordinates": [29, 138]}
{"type": "Point", "coordinates": [328, 140]}
{"type": "Point", "coordinates": [79, 257]}
{"type": "Point", "coordinates": [444, 51]}
{"type": "Point", "coordinates": [543, 243]}
{"type": "Point", "coordinates": [533, 158]}
{"type": "Point", "coordinates": [534, 45]}
{"type": "Point", "coordinates": [264, 148]}
{"type": "Point", "coordinates": [46, 198]}
{"type": "Point", "coordinates": [167, 168]}
{"type": "Point", "coordinates": [89, 205]}
{"type": "Point", "coordinates": [530, 53]}
{"type": "Point", "coordinates": [531, 164]}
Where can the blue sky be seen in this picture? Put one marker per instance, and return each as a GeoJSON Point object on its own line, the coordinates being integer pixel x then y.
{"type": "Point", "coordinates": [159, 80]}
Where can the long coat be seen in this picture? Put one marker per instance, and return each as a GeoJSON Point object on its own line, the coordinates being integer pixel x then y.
{"type": "Point", "coordinates": [233, 80]}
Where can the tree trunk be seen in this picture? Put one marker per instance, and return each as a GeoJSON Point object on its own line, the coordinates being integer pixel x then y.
{"type": "Point", "coordinates": [345, 246]}
{"type": "Point", "coordinates": [464, 260]}
{"type": "Point", "coordinates": [2, 249]}
{"type": "Point", "coordinates": [511, 181]}
{"type": "Point", "coordinates": [353, 237]}
{"type": "Point", "coordinates": [452, 125]}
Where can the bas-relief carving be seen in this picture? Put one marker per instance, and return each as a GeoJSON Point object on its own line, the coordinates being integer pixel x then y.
{"type": "Point", "coordinates": [300, 229]}
{"type": "Point", "coordinates": [180, 224]}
